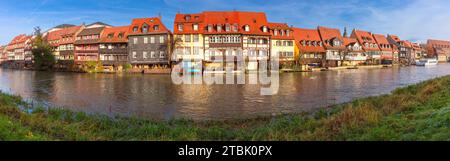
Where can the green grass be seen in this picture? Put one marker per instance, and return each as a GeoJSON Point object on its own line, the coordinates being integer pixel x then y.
{"type": "Point", "coordinates": [416, 112]}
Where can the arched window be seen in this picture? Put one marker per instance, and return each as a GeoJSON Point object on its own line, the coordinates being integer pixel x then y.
{"type": "Point", "coordinates": [145, 28]}
{"type": "Point", "coordinates": [246, 28]}
{"type": "Point", "coordinates": [265, 29]}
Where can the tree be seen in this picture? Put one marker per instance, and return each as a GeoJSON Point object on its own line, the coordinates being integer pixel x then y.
{"type": "Point", "coordinates": [42, 52]}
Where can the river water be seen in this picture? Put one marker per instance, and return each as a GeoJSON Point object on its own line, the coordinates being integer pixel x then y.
{"type": "Point", "coordinates": [156, 97]}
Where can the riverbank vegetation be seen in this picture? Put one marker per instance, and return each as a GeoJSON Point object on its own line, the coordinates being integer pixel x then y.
{"type": "Point", "coordinates": [416, 112]}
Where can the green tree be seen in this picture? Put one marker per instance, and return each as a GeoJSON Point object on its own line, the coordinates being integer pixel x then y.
{"type": "Point", "coordinates": [42, 52]}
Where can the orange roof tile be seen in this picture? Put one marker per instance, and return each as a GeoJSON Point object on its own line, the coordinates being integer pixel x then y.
{"type": "Point", "coordinates": [151, 22]}
{"type": "Point", "coordinates": [280, 26]}
{"type": "Point", "coordinates": [330, 34]}
{"type": "Point", "coordinates": [188, 21]}
{"type": "Point", "coordinates": [115, 35]}
{"type": "Point", "coordinates": [364, 37]}
{"type": "Point", "coordinates": [255, 21]}
{"type": "Point", "coordinates": [308, 35]}
{"type": "Point", "coordinates": [382, 41]}
{"type": "Point", "coordinates": [59, 34]}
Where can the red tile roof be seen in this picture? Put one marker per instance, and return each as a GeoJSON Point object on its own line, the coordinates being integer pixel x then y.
{"type": "Point", "coordinates": [112, 35]}
{"type": "Point", "coordinates": [395, 37]}
{"type": "Point", "coordinates": [280, 26]}
{"type": "Point", "coordinates": [416, 46]}
{"type": "Point", "coordinates": [406, 43]}
{"type": "Point", "coordinates": [350, 41]}
{"type": "Point", "coordinates": [59, 34]}
{"type": "Point", "coordinates": [382, 42]}
{"type": "Point", "coordinates": [364, 37]}
{"type": "Point", "coordinates": [330, 34]}
{"type": "Point", "coordinates": [19, 40]}
{"type": "Point", "coordinates": [188, 24]}
{"type": "Point", "coordinates": [151, 22]}
{"type": "Point", "coordinates": [255, 21]}
{"type": "Point", "coordinates": [307, 35]}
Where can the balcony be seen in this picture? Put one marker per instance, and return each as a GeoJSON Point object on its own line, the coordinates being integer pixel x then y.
{"type": "Point", "coordinates": [355, 58]}
{"type": "Point", "coordinates": [333, 57]}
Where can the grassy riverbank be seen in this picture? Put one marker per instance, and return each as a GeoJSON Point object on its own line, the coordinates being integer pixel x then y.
{"type": "Point", "coordinates": [417, 112]}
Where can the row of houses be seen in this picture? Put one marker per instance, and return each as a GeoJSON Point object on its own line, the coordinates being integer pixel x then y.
{"type": "Point", "coordinates": [220, 40]}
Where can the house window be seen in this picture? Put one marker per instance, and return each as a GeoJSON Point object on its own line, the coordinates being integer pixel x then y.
{"type": "Point", "coordinates": [219, 28]}
{"type": "Point", "coordinates": [187, 18]}
{"type": "Point", "coordinates": [264, 28]}
{"type": "Point", "coordinates": [196, 38]}
{"type": "Point", "coordinates": [180, 27]}
{"type": "Point", "coordinates": [196, 50]}
{"type": "Point", "coordinates": [120, 35]}
{"type": "Point", "coordinates": [227, 27]}
{"type": "Point", "coordinates": [145, 55]}
{"type": "Point", "coordinates": [195, 26]}
{"type": "Point", "coordinates": [152, 54]}
{"type": "Point", "coordinates": [209, 28]}
{"type": "Point", "coordinates": [275, 32]}
{"type": "Point", "coordinates": [247, 28]}
{"type": "Point", "coordinates": [134, 55]}
{"type": "Point", "coordinates": [152, 40]}
{"type": "Point", "coordinates": [187, 38]}
{"type": "Point", "coordinates": [278, 43]}
{"type": "Point", "coordinates": [135, 29]}
{"type": "Point", "coordinates": [110, 35]}
{"type": "Point", "coordinates": [288, 33]}
{"type": "Point", "coordinates": [161, 39]}
{"type": "Point", "coordinates": [162, 54]}
{"type": "Point", "coordinates": [135, 40]}
{"type": "Point", "coordinates": [145, 40]}
{"type": "Point", "coordinates": [145, 28]}
{"type": "Point", "coordinates": [156, 27]}
{"type": "Point", "coordinates": [235, 27]}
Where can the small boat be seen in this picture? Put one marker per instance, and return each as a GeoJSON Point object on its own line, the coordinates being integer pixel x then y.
{"type": "Point", "coordinates": [427, 62]}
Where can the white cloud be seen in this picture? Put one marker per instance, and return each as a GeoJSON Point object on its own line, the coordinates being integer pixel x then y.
{"type": "Point", "coordinates": [418, 20]}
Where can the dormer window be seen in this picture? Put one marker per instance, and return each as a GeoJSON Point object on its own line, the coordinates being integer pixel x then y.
{"type": "Point", "coordinates": [264, 28]}
{"type": "Point", "coordinates": [187, 18]}
{"type": "Point", "coordinates": [145, 28]}
{"type": "Point", "coordinates": [235, 27]}
{"type": "Point", "coordinates": [135, 29]}
{"type": "Point", "coordinates": [110, 35]}
{"type": "Point", "coordinates": [210, 28]}
{"type": "Point", "coordinates": [156, 27]}
{"type": "Point", "coordinates": [227, 27]}
{"type": "Point", "coordinates": [247, 28]}
{"type": "Point", "coordinates": [120, 35]}
{"type": "Point", "coordinates": [288, 33]}
{"type": "Point", "coordinates": [195, 27]}
{"type": "Point", "coordinates": [275, 32]}
{"type": "Point", "coordinates": [282, 32]}
{"type": "Point", "coordinates": [219, 28]}
{"type": "Point", "coordinates": [180, 27]}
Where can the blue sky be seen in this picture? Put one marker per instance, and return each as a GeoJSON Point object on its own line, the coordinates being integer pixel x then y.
{"type": "Point", "coordinates": [415, 20]}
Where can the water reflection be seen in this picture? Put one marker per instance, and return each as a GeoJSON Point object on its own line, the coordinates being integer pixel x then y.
{"type": "Point", "coordinates": [156, 97]}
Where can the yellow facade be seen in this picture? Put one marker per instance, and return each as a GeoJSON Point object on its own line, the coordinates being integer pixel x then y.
{"type": "Point", "coordinates": [190, 46]}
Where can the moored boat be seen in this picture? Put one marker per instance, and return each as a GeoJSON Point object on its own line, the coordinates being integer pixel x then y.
{"type": "Point", "coordinates": [427, 62]}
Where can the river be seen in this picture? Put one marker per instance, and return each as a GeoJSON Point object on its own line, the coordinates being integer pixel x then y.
{"type": "Point", "coordinates": [156, 97]}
